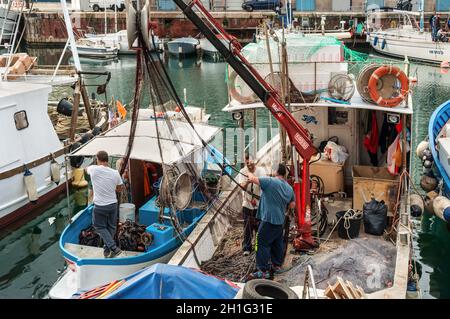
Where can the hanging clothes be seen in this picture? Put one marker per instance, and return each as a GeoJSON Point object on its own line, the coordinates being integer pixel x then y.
{"type": "Point", "coordinates": [394, 156]}
{"type": "Point", "coordinates": [371, 138]}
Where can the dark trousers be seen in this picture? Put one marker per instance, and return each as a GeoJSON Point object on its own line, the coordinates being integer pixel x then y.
{"type": "Point", "coordinates": [270, 246]}
{"type": "Point", "coordinates": [250, 226]}
{"type": "Point", "coordinates": [104, 219]}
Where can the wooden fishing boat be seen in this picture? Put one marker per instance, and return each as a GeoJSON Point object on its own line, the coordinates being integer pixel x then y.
{"type": "Point", "coordinates": [346, 185]}
{"type": "Point", "coordinates": [87, 267]}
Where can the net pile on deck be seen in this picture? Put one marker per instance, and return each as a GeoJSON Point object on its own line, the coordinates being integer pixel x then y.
{"type": "Point", "coordinates": [366, 262]}
{"type": "Point", "coordinates": [228, 261]}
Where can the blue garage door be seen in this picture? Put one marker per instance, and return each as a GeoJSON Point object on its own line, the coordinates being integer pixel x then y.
{"type": "Point", "coordinates": [306, 5]}
{"type": "Point", "coordinates": [442, 5]}
{"type": "Point", "coordinates": [374, 3]}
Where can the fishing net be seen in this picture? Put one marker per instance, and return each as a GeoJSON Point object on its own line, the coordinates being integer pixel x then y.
{"type": "Point", "coordinates": [367, 262]}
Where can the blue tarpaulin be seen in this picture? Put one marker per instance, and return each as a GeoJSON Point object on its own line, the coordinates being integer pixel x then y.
{"type": "Point", "coordinates": [162, 281]}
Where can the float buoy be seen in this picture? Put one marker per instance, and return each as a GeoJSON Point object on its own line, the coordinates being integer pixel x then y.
{"type": "Point", "coordinates": [244, 99]}
{"type": "Point", "coordinates": [383, 44]}
{"type": "Point", "coordinates": [427, 155]}
{"type": "Point", "coordinates": [78, 180]}
{"type": "Point", "coordinates": [375, 41]}
{"type": "Point", "coordinates": [374, 82]}
{"type": "Point", "coordinates": [429, 199]}
{"type": "Point", "coordinates": [417, 205]}
{"type": "Point", "coordinates": [55, 172]}
{"type": "Point", "coordinates": [427, 164]}
{"type": "Point", "coordinates": [422, 147]}
{"type": "Point", "coordinates": [30, 186]}
{"type": "Point", "coordinates": [441, 206]}
{"type": "Point", "coordinates": [428, 183]}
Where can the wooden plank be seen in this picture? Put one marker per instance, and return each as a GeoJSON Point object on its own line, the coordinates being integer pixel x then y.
{"type": "Point", "coordinates": [74, 119]}
{"type": "Point", "coordinates": [342, 289]}
{"type": "Point", "coordinates": [361, 292]}
{"type": "Point", "coordinates": [353, 290]}
{"type": "Point", "coordinates": [87, 106]}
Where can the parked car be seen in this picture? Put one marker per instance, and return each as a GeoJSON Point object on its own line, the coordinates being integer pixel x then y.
{"type": "Point", "coordinates": [250, 5]}
{"type": "Point", "coordinates": [101, 5]}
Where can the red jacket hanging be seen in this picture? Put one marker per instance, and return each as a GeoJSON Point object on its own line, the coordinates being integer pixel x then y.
{"type": "Point", "coordinates": [371, 139]}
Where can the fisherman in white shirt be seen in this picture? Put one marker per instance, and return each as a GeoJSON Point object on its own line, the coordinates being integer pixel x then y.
{"type": "Point", "coordinates": [105, 182]}
{"type": "Point", "coordinates": [250, 202]}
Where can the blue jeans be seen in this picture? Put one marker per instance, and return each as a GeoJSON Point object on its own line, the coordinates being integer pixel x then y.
{"type": "Point", "coordinates": [270, 246]}
{"type": "Point", "coordinates": [104, 219]}
{"type": "Point", "coordinates": [434, 32]}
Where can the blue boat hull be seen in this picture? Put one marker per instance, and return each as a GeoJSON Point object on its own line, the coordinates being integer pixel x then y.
{"type": "Point", "coordinates": [437, 121]}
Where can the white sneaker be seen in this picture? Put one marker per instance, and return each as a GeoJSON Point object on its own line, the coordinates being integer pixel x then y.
{"type": "Point", "coordinates": [246, 253]}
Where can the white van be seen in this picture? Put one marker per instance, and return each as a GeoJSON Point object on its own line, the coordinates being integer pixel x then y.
{"type": "Point", "coordinates": [101, 5]}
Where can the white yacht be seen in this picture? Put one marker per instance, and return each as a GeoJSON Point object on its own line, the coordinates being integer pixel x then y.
{"type": "Point", "coordinates": [398, 33]}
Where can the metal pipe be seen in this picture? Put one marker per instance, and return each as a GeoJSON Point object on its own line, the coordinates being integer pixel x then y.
{"type": "Point", "coordinates": [67, 189]}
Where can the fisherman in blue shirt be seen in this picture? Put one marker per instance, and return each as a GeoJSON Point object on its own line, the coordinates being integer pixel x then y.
{"type": "Point", "coordinates": [276, 197]}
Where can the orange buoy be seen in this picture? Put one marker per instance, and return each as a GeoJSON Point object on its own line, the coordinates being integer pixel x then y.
{"type": "Point", "coordinates": [177, 109]}
{"type": "Point", "coordinates": [379, 74]}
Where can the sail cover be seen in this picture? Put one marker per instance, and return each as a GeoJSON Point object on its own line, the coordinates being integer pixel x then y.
{"type": "Point", "coordinates": [145, 146]}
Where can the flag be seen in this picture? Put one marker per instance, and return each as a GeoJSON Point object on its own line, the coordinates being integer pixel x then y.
{"type": "Point", "coordinates": [121, 109]}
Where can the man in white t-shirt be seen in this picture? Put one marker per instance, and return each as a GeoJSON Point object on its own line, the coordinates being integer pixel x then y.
{"type": "Point", "coordinates": [105, 182]}
{"type": "Point", "coordinates": [250, 202]}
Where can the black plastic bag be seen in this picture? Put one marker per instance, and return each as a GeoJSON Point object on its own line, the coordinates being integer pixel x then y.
{"type": "Point", "coordinates": [375, 217]}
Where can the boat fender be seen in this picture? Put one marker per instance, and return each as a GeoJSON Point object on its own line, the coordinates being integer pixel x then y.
{"type": "Point", "coordinates": [78, 180]}
{"type": "Point", "coordinates": [428, 183]}
{"type": "Point", "coordinates": [377, 75]}
{"type": "Point", "coordinates": [375, 41]}
{"type": "Point", "coordinates": [427, 155]}
{"type": "Point", "coordinates": [429, 199]}
{"type": "Point", "coordinates": [383, 44]}
{"type": "Point", "coordinates": [30, 186]}
{"type": "Point", "coordinates": [76, 161]}
{"type": "Point", "coordinates": [427, 171]}
{"type": "Point", "coordinates": [235, 94]}
{"type": "Point", "coordinates": [427, 164]}
{"type": "Point", "coordinates": [86, 137]}
{"type": "Point", "coordinates": [96, 130]}
{"type": "Point", "coordinates": [422, 147]}
{"type": "Point", "coordinates": [55, 172]}
{"type": "Point", "coordinates": [441, 206]}
{"type": "Point", "coordinates": [417, 205]}
{"type": "Point", "coordinates": [64, 107]}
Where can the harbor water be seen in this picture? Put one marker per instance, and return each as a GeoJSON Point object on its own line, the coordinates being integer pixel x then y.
{"type": "Point", "coordinates": [30, 259]}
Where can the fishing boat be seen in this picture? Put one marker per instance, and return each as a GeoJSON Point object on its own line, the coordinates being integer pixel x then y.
{"type": "Point", "coordinates": [183, 46]}
{"type": "Point", "coordinates": [120, 39]}
{"type": "Point", "coordinates": [87, 267]}
{"type": "Point", "coordinates": [398, 33]}
{"type": "Point", "coordinates": [96, 49]}
{"type": "Point", "coordinates": [209, 50]}
{"type": "Point", "coordinates": [31, 165]}
{"type": "Point", "coordinates": [360, 177]}
{"type": "Point", "coordinates": [434, 153]}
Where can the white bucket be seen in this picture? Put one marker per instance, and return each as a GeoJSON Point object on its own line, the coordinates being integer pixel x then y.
{"type": "Point", "coordinates": [126, 211]}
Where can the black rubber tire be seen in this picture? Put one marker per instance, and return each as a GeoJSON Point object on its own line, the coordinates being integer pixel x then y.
{"type": "Point", "coordinates": [96, 8]}
{"type": "Point", "coordinates": [249, 8]}
{"type": "Point", "coordinates": [264, 289]}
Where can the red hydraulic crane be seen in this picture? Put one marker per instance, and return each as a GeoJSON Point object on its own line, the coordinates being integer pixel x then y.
{"type": "Point", "coordinates": [298, 135]}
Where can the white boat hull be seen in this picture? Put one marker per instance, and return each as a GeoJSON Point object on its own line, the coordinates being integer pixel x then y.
{"type": "Point", "coordinates": [102, 53]}
{"type": "Point", "coordinates": [418, 47]}
{"type": "Point", "coordinates": [182, 46]}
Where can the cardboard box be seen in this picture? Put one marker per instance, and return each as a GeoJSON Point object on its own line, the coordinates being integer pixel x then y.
{"type": "Point", "coordinates": [331, 173]}
{"type": "Point", "coordinates": [374, 181]}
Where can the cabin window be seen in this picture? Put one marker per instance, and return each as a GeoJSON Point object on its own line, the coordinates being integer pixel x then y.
{"type": "Point", "coordinates": [337, 117]}
{"type": "Point", "coordinates": [21, 120]}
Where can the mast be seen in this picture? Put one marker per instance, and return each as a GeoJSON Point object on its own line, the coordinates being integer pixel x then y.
{"type": "Point", "coordinates": [69, 30]}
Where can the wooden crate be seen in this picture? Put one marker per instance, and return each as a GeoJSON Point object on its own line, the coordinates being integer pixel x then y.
{"type": "Point", "coordinates": [374, 181]}
{"type": "Point", "coordinates": [331, 173]}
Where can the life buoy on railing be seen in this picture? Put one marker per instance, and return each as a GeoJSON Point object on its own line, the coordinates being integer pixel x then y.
{"type": "Point", "coordinates": [379, 74]}
{"type": "Point", "coordinates": [244, 99]}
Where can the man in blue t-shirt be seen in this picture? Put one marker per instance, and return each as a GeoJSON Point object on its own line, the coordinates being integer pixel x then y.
{"type": "Point", "coordinates": [276, 197]}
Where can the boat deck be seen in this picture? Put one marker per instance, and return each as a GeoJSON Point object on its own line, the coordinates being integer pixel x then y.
{"type": "Point", "coordinates": [88, 252]}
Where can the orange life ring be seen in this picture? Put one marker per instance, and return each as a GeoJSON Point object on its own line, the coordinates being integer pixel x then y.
{"type": "Point", "coordinates": [234, 92]}
{"type": "Point", "coordinates": [378, 74]}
